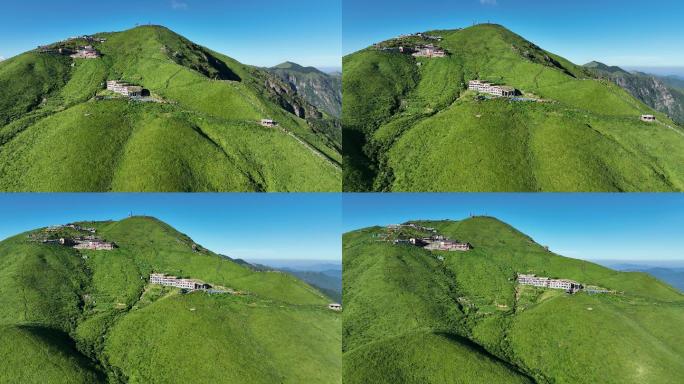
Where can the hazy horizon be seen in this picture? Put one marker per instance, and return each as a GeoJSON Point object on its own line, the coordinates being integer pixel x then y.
{"type": "Point", "coordinates": [658, 71]}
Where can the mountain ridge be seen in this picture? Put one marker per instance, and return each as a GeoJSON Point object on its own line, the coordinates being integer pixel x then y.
{"type": "Point", "coordinates": [205, 109]}
{"type": "Point", "coordinates": [410, 124]}
{"type": "Point", "coordinates": [321, 89]}
{"type": "Point", "coordinates": [105, 323]}
{"type": "Point", "coordinates": [391, 291]}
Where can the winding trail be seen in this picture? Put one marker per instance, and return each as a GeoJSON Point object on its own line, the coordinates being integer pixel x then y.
{"type": "Point", "coordinates": [312, 149]}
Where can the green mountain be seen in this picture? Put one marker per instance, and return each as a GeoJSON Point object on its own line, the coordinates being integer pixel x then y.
{"type": "Point", "coordinates": [409, 124]}
{"type": "Point", "coordinates": [652, 90]}
{"type": "Point", "coordinates": [415, 316]}
{"type": "Point", "coordinates": [85, 316]}
{"type": "Point", "coordinates": [319, 88]}
{"type": "Point", "coordinates": [60, 130]}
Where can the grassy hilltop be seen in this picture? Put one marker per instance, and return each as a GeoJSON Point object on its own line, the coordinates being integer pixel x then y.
{"type": "Point", "coordinates": [204, 136]}
{"type": "Point", "coordinates": [413, 318]}
{"type": "Point", "coordinates": [409, 123]}
{"type": "Point", "coordinates": [70, 316]}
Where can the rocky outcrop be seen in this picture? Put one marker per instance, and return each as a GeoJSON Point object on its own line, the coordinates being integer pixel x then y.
{"type": "Point", "coordinates": [288, 98]}
{"type": "Point", "coordinates": [316, 87]}
{"type": "Point", "coordinates": [648, 88]}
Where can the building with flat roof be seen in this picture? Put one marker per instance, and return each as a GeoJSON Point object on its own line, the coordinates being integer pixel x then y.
{"type": "Point", "coordinates": [429, 51]}
{"type": "Point", "coordinates": [546, 282]}
{"type": "Point", "coordinates": [97, 245]}
{"type": "Point", "coordinates": [486, 87]}
{"type": "Point", "coordinates": [448, 245]}
{"type": "Point", "coordinates": [268, 123]}
{"type": "Point", "coordinates": [124, 88]}
{"type": "Point", "coordinates": [87, 52]}
{"type": "Point", "coordinates": [173, 281]}
{"type": "Point", "coordinates": [648, 118]}
{"type": "Point", "coordinates": [335, 306]}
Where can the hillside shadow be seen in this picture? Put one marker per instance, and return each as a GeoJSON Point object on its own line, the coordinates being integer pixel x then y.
{"type": "Point", "coordinates": [64, 343]}
{"type": "Point", "coordinates": [482, 351]}
{"type": "Point", "coordinates": [223, 71]}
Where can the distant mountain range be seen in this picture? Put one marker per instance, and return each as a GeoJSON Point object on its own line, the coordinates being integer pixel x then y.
{"type": "Point", "coordinates": [671, 274]}
{"type": "Point", "coordinates": [662, 93]}
{"type": "Point", "coordinates": [325, 276]}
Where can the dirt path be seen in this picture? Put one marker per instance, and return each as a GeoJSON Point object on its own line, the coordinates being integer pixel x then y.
{"type": "Point", "coordinates": [312, 149]}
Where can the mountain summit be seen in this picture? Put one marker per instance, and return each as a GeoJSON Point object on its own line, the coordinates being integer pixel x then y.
{"type": "Point", "coordinates": [411, 123]}
{"type": "Point", "coordinates": [414, 315]}
{"type": "Point", "coordinates": [148, 110]}
{"type": "Point", "coordinates": [74, 314]}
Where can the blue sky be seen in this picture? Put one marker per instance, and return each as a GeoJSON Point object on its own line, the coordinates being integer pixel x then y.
{"type": "Point", "coordinates": [254, 226]}
{"type": "Point", "coordinates": [617, 32]}
{"type": "Point", "coordinates": [580, 225]}
{"type": "Point", "coordinates": [257, 32]}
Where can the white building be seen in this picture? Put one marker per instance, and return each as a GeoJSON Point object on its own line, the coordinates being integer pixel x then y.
{"type": "Point", "coordinates": [448, 245]}
{"type": "Point", "coordinates": [96, 245]}
{"type": "Point", "coordinates": [124, 88]}
{"type": "Point", "coordinates": [545, 282]}
{"type": "Point", "coordinates": [173, 281]}
{"type": "Point", "coordinates": [335, 306]}
{"type": "Point", "coordinates": [648, 118]}
{"type": "Point", "coordinates": [429, 51]}
{"type": "Point", "coordinates": [87, 52]}
{"type": "Point", "coordinates": [496, 90]}
{"type": "Point", "coordinates": [268, 123]}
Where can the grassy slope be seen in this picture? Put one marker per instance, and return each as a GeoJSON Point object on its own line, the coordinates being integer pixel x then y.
{"type": "Point", "coordinates": [33, 354]}
{"type": "Point", "coordinates": [391, 291]}
{"type": "Point", "coordinates": [118, 323]}
{"type": "Point", "coordinates": [422, 132]}
{"type": "Point", "coordinates": [208, 139]}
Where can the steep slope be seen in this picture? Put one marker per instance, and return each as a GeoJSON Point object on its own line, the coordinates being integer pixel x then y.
{"type": "Point", "coordinates": [438, 317]}
{"type": "Point", "coordinates": [33, 354]}
{"type": "Point", "coordinates": [199, 132]}
{"type": "Point", "coordinates": [410, 125]}
{"type": "Point", "coordinates": [318, 88]}
{"type": "Point", "coordinates": [652, 90]}
{"type": "Point", "coordinates": [98, 320]}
